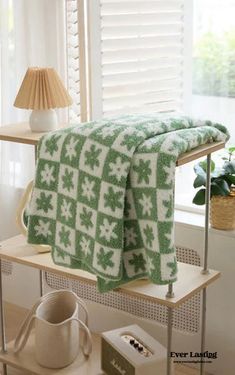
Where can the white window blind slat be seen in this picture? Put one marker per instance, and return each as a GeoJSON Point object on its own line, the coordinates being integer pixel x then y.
{"type": "Point", "coordinates": [135, 7]}
{"type": "Point", "coordinates": [141, 30]}
{"type": "Point", "coordinates": [144, 75]}
{"type": "Point", "coordinates": [141, 19]}
{"type": "Point", "coordinates": [73, 53]}
{"type": "Point", "coordinates": [73, 63]}
{"type": "Point", "coordinates": [139, 65]}
{"type": "Point", "coordinates": [170, 106]}
{"type": "Point", "coordinates": [72, 6]}
{"type": "Point", "coordinates": [73, 30]}
{"type": "Point", "coordinates": [73, 84]}
{"type": "Point", "coordinates": [141, 42]}
{"type": "Point", "coordinates": [146, 86]}
{"type": "Point", "coordinates": [141, 53]}
{"type": "Point", "coordinates": [139, 99]}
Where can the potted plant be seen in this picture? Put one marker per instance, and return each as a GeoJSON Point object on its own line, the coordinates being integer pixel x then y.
{"type": "Point", "coordinates": [222, 213]}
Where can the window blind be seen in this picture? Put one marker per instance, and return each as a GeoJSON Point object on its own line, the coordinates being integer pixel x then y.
{"type": "Point", "coordinates": [76, 59]}
{"type": "Point", "coordinates": [140, 48]}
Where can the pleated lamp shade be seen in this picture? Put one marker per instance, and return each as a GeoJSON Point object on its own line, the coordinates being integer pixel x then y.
{"type": "Point", "coordinates": [42, 89]}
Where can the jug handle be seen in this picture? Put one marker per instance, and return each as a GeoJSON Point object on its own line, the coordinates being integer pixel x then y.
{"type": "Point", "coordinates": [87, 344]}
{"type": "Point", "coordinates": [23, 335]}
{"type": "Point", "coordinates": [83, 305]}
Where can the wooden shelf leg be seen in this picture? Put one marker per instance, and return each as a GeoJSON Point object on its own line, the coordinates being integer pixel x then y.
{"type": "Point", "coordinates": [169, 339]}
{"type": "Point", "coordinates": [2, 321]}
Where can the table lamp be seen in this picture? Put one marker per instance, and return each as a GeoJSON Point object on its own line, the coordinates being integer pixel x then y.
{"type": "Point", "coordinates": [42, 90]}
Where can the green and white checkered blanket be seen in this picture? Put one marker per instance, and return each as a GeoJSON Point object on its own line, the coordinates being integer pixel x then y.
{"type": "Point", "coordinates": [104, 195]}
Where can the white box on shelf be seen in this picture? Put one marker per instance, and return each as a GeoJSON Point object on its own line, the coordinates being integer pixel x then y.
{"type": "Point", "coordinates": [132, 351]}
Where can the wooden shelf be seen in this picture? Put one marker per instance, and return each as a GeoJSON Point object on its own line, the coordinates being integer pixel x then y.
{"type": "Point", "coordinates": [25, 360]}
{"type": "Point", "coordinates": [21, 133]}
{"type": "Point", "coordinates": [190, 279]}
{"type": "Point", "coordinates": [198, 152]}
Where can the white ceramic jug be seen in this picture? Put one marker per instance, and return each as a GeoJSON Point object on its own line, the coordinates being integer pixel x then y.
{"type": "Point", "coordinates": [56, 329]}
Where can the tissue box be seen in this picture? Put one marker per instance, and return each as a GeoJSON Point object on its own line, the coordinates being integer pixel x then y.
{"type": "Point", "coordinates": [131, 351]}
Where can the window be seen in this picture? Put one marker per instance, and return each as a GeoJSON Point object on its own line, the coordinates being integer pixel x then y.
{"type": "Point", "coordinates": [214, 61]}
{"type": "Point", "coordinates": [156, 56]}
{"type": "Point", "coordinates": [213, 78]}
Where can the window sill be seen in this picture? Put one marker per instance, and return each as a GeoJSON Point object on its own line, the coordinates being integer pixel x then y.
{"type": "Point", "coordinates": [196, 221]}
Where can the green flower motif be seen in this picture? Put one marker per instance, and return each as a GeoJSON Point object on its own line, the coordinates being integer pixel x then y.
{"type": "Point", "coordinates": [44, 202]}
{"type": "Point", "coordinates": [173, 266]}
{"type": "Point", "coordinates": [92, 157]}
{"type": "Point", "coordinates": [143, 170]}
{"type": "Point", "coordinates": [176, 145]}
{"type": "Point", "coordinates": [153, 263]}
{"type": "Point", "coordinates": [104, 258]}
{"type": "Point", "coordinates": [67, 179]}
{"type": "Point", "coordinates": [138, 262]}
{"type": "Point", "coordinates": [168, 204]}
{"type": "Point", "coordinates": [199, 139]}
{"type": "Point", "coordinates": [51, 144]}
{"type": "Point", "coordinates": [163, 127]}
{"type": "Point", "coordinates": [64, 237]}
{"type": "Point", "coordinates": [86, 218]}
{"type": "Point", "coordinates": [112, 199]}
{"type": "Point", "coordinates": [148, 231]}
{"type": "Point", "coordinates": [131, 140]}
{"type": "Point", "coordinates": [60, 253]}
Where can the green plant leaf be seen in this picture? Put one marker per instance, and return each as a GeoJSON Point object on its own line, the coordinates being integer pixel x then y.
{"type": "Point", "coordinates": [215, 190]}
{"type": "Point", "coordinates": [231, 149]}
{"type": "Point", "coordinates": [200, 180]}
{"type": "Point", "coordinates": [229, 167]}
{"type": "Point", "coordinates": [229, 179]}
{"type": "Point", "coordinates": [199, 198]}
{"type": "Point", "coordinates": [220, 187]}
{"type": "Point", "coordinates": [203, 165]}
{"type": "Point", "coordinates": [199, 171]}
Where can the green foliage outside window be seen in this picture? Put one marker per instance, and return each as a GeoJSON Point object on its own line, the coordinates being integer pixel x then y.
{"type": "Point", "coordinates": [214, 65]}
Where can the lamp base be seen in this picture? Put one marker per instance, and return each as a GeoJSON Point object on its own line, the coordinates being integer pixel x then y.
{"type": "Point", "coordinates": [43, 120]}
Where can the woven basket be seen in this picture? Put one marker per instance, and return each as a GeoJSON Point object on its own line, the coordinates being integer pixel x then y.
{"type": "Point", "coordinates": [222, 213]}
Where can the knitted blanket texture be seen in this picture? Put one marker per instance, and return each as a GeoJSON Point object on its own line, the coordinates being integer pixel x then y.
{"type": "Point", "coordinates": [103, 195]}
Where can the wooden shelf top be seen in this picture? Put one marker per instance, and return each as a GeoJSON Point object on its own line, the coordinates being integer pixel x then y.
{"type": "Point", "coordinates": [25, 360]}
{"type": "Point", "coordinates": [198, 152]}
{"type": "Point", "coordinates": [190, 279]}
{"type": "Point", "coordinates": [21, 133]}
